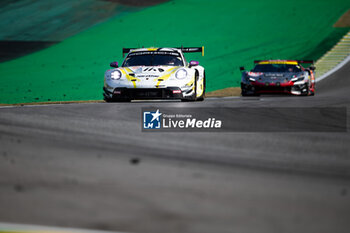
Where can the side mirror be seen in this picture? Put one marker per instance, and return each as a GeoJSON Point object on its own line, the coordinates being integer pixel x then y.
{"type": "Point", "coordinates": [114, 64]}
{"type": "Point", "coordinates": [194, 63]}
{"type": "Point", "coordinates": [312, 67]}
{"type": "Point", "coordinates": [242, 68]}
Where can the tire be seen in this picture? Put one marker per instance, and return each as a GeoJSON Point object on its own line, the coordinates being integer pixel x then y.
{"type": "Point", "coordinates": [243, 90]}
{"type": "Point", "coordinates": [107, 99]}
{"type": "Point", "coordinates": [122, 100]}
{"type": "Point", "coordinates": [201, 98]}
{"type": "Point", "coordinates": [245, 93]}
{"type": "Point", "coordinates": [307, 92]}
{"type": "Point", "coordinates": [111, 100]}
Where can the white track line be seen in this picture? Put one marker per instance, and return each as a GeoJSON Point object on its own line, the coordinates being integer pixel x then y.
{"type": "Point", "coordinates": [335, 69]}
{"type": "Point", "coordinates": [224, 97]}
{"type": "Point", "coordinates": [11, 227]}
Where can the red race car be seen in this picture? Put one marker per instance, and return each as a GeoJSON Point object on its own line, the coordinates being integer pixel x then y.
{"type": "Point", "coordinates": [278, 76]}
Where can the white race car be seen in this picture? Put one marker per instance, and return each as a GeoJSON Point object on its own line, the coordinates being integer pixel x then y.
{"type": "Point", "coordinates": [155, 73]}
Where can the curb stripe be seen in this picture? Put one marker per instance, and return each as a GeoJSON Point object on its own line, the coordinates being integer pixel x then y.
{"type": "Point", "coordinates": [336, 68]}
{"type": "Point", "coordinates": [26, 228]}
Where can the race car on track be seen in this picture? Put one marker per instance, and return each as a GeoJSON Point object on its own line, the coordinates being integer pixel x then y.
{"type": "Point", "coordinates": [278, 76]}
{"type": "Point", "coordinates": [155, 73]}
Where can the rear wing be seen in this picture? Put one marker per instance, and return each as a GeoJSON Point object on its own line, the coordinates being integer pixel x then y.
{"type": "Point", "coordinates": [127, 50]}
{"type": "Point", "coordinates": [192, 50]}
{"type": "Point", "coordinates": [311, 67]}
{"type": "Point", "coordinates": [183, 49]}
{"type": "Point", "coordinates": [292, 62]}
{"type": "Point", "coordinates": [306, 61]}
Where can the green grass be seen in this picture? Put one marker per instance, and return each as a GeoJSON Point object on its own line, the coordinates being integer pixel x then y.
{"type": "Point", "coordinates": [234, 33]}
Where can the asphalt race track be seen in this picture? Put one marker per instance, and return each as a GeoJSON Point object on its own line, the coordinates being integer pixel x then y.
{"type": "Point", "coordinates": [90, 166]}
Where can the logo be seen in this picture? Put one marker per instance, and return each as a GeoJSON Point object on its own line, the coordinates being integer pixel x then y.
{"type": "Point", "coordinates": [151, 120]}
{"type": "Point", "coordinates": [179, 119]}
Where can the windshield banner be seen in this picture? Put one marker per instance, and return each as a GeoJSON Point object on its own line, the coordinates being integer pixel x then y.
{"type": "Point", "coordinates": [153, 53]}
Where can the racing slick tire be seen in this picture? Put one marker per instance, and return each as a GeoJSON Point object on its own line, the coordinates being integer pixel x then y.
{"type": "Point", "coordinates": [307, 91]}
{"type": "Point", "coordinates": [111, 100]}
{"type": "Point", "coordinates": [201, 98]}
{"type": "Point", "coordinates": [244, 92]}
{"type": "Point", "coordinates": [122, 100]}
{"type": "Point", "coordinates": [107, 100]}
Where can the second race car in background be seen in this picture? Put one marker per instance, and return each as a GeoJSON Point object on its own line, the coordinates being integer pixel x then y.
{"type": "Point", "coordinates": [278, 76]}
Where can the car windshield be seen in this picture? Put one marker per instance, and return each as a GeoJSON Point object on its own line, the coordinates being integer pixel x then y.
{"type": "Point", "coordinates": [276, 68]}
{"type": "Point", "coordinates": [153, 58]}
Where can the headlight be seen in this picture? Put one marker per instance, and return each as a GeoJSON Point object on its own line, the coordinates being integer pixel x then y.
{"type": "Point", "coordinates": [116, 75]}
{"type": "Point", "coordinates": [252, 79]}
{"type": "Point", "coordinates": [181, 74]}
{"type": "Point", "coordinates": [255, 74]}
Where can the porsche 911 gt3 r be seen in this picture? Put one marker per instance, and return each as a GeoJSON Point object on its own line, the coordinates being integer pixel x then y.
{"type": "Point", "coordinates": [278, 76]}
{"type": "Point", "coordinates": [155, 73]}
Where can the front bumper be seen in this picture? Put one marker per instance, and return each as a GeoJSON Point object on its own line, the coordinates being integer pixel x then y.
{"type": "Point", "coordinates": [275, 88]}
{"type": "Point", "coordinates": [144, 93]}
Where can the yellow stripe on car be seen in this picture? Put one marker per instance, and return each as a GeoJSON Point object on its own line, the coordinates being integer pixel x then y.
{"type": "Point", "coordinates": [129, 77]}
{"type": "Point", "coordinates": [166, 76]}
{"type": "Point", "coordinates": [128, 69]}
{"type": "Point", "coordinates": [278, 62]}
{"type": "Point", "coordinates": [190, 83]}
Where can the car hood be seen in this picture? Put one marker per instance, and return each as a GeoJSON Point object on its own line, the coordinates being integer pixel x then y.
{"type": "Point", "coordinates": [149, 71]}
{"type": "Point", "coordinates": [273, 76]}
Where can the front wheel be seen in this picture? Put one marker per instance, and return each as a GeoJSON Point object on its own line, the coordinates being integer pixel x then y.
{"type": "Point", "coordinates": [201, 98]}
{"type": "Point", "coordinates": [111, 100]}
{"type": "Point", "coordinates": [246, 92]}
{"type": "Point", "coordinates": [305, 91]}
